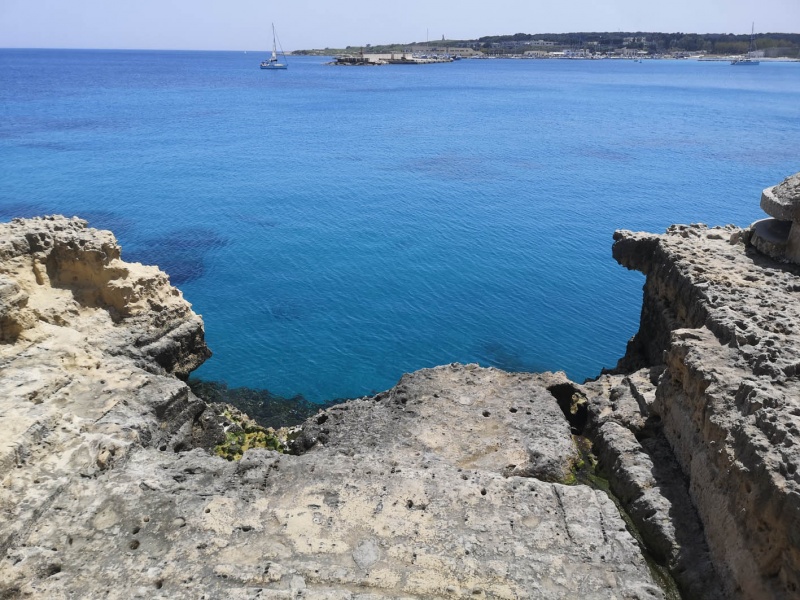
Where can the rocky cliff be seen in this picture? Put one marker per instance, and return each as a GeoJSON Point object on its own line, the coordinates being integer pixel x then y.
{"type": "Point", "coordinates": [723, 323]}
{"type": "Point", "coordinates": [460, 482]}
{"type": "Point", "coordinates": [443, 487]}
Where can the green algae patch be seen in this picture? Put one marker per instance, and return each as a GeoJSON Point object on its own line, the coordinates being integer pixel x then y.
{"type": "Point", "coordinates": [238, 442]}
{"type": "Point", "coordinates": [585, 471]}
{"type": "Point", "coordinates": [242, 433]}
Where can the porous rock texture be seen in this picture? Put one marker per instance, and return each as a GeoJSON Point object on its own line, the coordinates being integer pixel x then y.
{"type": "Point", "coordinates": [55, 271]}
{"type": "Point", "coordinates": [779, 237]}
{"type": "Point", "coordinates": [444, 487]}
{"type": "Point", "coordinates": [715, 370]}
{"type": "Point", "coordinates": [635, 456]}
{"type": "Point", "coordinates": [449, 485]}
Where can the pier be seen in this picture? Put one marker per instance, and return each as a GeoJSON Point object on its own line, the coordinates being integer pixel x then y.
{"type": "Point", "coordinates": [392, 58]}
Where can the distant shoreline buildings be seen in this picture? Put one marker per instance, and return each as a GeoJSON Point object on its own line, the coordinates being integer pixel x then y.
{"type": "Point", "coordinates": [595, 45]}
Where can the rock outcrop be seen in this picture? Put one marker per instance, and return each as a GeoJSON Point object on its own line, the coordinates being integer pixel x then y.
{"type": "Point", "coordinates": [446, 486]}
{"type": "Point", "coordinates": [779, 237]}
{"type": "Point", "coordinates": [720, 327]}
{"type": "Point", "coordinates": [56, 271]}
{"type": "Point", "coordinates": [459, 482]}
{"type": "Point", "coordinates": [635, 455]}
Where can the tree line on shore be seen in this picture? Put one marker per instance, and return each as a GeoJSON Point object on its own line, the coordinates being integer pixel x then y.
{"type": "Point", "coordinates": [711, 43]}
{"type": "Point", "coordinates": [785, 44]}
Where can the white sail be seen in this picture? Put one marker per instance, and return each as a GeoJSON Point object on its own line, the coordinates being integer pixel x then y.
{"type": "Point", "coordinates": [273, 62]}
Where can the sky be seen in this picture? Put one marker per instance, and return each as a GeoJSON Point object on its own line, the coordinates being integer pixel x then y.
{"type": "Point", "coordinates": [303, 24]}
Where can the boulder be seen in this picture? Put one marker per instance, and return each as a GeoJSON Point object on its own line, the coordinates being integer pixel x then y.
{"type": "Point", "coordinates": [779, 237]}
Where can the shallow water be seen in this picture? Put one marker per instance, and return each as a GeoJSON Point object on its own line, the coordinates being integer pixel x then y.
{"type": "Point", "coordinates": [337, 227]}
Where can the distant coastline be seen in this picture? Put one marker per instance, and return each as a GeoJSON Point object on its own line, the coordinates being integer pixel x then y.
{"type": "Point", "coordinates": [720, 46]}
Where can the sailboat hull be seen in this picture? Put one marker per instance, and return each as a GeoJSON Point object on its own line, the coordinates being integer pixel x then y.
{"type": "Point", "coordinates": [272, 64]}
{"type": "Point", "coordinates": [748, 59]}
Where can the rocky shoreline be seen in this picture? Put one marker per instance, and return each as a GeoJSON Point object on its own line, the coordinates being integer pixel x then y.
{"type": "Point", "coordinates": [459, 482]}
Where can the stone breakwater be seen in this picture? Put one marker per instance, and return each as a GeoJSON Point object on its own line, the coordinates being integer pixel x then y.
{"type": "Point", "coordinates": [459, 482]}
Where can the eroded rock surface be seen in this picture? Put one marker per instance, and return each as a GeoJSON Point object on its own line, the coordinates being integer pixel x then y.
{"type": "Point", "coordinates": [467, 417]}
{"type": "Point", "coordinates": [721, 326]}
{"type": "Point", "coordinates": [329, 526]}
{"type": "Point", "coordinates": [643, 473]}
{"type": "Point", "coordinates": [779, 237]}
{"type": "Point", "coordinates": [443, 487]}
{"type": "Point", "coordinates": [449, 485]}
{"type": "Point", "coordinates": [57, 271]}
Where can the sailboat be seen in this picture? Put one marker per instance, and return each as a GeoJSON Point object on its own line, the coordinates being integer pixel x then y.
{"type": "Point", "coordinates": [272, 63]}
{"type": "Point", "coordinates": [748, 58]}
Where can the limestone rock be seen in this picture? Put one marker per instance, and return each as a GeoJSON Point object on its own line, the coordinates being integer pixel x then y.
{"type": "Point", "coordinates": [61, 270]}
{"type": "Point", "coordinates": [446, 486]}
{"type": "Point", "coordinates": [723, 321]}
{"type": "Point", "coordinates": [14, 317]}
{"type": "Point", "coordinates": [443, 487]}
{"type": "Point", "coordinates": [782, 201]}
{"type": "Point", "coordinates": [779, 237]}
{"type": "Point", "coordinates": [645, 476]}
{"type": "Point", "coordinates": [470, 417]}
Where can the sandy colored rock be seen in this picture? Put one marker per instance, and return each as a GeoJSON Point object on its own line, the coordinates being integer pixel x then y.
{"type": "Point", "coordinates": [109, 486]}
{"type": "Point", "coordinates": [63, 270]}
{"type": "Point", "coordinates": [634, 454]}
{"type": "Point", "coordinates": [782, 201]}
{"type": "Point", "coordinates": [724, 323]}
{"type": "Point", "coordinates": [779, 237]}
{"type": "Point", "coordinates": [469, 417]}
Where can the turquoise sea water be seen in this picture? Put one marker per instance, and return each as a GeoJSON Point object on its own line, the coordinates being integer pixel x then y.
{"type": "Point", "coordinates": [337, 227]}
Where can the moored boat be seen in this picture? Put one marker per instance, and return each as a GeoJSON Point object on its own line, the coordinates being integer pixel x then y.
{"type": "Point", "coordinates": [748, 58]}
{"type": "Point", "coordinates": [272, 63]}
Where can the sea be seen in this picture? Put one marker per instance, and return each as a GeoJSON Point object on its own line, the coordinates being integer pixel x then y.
{"type": "Point", "coordinates": [340, 226]}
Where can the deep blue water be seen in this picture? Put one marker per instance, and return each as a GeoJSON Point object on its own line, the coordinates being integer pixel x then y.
{"type": "Point", "coordinates": [337, 227]}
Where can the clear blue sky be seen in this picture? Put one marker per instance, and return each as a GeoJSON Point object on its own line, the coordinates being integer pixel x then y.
{"type": "Point", "coordinates": [244, 24]}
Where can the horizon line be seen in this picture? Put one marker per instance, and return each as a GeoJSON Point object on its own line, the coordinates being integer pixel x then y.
{"type": "Point", "coordinates": [381, 44]}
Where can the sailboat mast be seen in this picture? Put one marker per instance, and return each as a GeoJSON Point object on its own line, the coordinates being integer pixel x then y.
{"type": "Point", "coordinates": [272, 62]}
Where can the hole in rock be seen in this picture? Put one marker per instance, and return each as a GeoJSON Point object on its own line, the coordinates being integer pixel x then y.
{"type": "Point", "coordinates": [573, 404]}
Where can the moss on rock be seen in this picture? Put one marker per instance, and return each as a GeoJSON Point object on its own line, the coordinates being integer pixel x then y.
{"type": "Point", "coordinates": [242, 433]}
